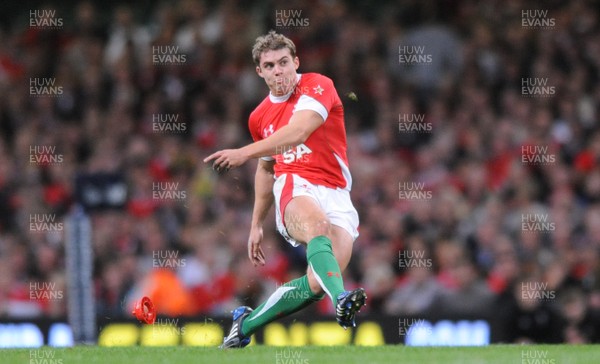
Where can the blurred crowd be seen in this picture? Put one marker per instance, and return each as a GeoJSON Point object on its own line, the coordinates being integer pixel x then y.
{"type": "Point", "coordinates": [506, 220]}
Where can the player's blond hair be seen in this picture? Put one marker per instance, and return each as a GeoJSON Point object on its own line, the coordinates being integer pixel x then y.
{"type": "Point", "coordinates": [271, 41]}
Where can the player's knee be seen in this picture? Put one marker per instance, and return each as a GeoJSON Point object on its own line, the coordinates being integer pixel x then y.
{"type": "Point", "coordinates": [319, 227]}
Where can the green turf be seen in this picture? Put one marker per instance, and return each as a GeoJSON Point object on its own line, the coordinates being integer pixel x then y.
{"type": "Point", "coordinates": [504, 354]}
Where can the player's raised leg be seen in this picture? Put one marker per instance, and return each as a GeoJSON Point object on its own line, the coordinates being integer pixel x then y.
{"type": "Point", "coordinates": [297, 294]}
{"type": "Point", "coordinates": [332, 247]}
{"type": "Point", "coordinates": [328, 251]}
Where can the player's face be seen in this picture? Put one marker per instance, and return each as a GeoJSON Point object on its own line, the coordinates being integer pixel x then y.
{"type": "Point", "coordinates": [278, 69]}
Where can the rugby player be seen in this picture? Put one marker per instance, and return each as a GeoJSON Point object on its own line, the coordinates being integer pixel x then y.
{"type": "Point", "coordinates": [300, 140]}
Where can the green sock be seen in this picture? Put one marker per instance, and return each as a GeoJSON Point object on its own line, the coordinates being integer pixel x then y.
{"type": "Point", "coordinates": [325, 267]}
{"type": "Point", "coordinates": [287, 299]}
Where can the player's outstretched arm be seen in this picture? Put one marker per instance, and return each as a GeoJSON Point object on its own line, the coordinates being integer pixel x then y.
{"type": "Point", "coordinates": [263, 200]}
{"type": "Point", "coordinates": [302, 124]}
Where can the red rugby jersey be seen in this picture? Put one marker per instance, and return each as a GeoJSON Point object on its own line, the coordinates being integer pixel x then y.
{"type": "Point", "coordinates": [321, 159]}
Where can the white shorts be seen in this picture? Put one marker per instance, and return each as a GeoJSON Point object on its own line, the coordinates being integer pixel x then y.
{"type": "Point", "coordinates": [335, 203]}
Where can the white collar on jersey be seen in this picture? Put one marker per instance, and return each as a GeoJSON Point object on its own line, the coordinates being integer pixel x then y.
{"type": "Point", "coordinates": [279, 99]}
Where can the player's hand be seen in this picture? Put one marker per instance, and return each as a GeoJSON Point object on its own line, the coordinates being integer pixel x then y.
{"type": "Point", "coordinates": [226, 159]}
{"type": "Point", "coordinates": [255, 252]}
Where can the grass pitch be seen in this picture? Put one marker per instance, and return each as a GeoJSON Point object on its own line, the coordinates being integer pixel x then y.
{"type": "Point", "coordinates": [501, 354]}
